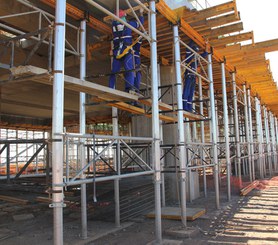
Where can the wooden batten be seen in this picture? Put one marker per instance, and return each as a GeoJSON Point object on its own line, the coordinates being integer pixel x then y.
{"type": "Point", "coordinates": [232, 39]}
{"type": "Point", "coordinates": [215, 33]}
{"type": "Point", "coordinates": [214, 22]}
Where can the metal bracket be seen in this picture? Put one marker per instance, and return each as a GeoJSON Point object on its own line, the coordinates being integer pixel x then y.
{"type": "Point", "coordinates": [57, 71]}
{"type": "Point", "coordinates": [157, 181]}
{"type": "Point", "coordinates": [59, 24]}
{"type": "Point", "coordinates": [57, 205]}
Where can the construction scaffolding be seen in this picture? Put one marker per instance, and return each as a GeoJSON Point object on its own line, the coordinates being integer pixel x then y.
{"type": "Point", "coordinates": [232, 133]}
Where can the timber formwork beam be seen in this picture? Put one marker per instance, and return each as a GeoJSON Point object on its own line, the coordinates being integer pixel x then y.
{"type": "Point", "coordinates": [222, 42]}
{"type": "Point", "coordinates": [193, 16]}
{"type": "Point", "coordinates": [257, 48]}
{"type": "Point", "coordinates": [214, 22]}
{"type": "Point", "coordinates": [169, 14]}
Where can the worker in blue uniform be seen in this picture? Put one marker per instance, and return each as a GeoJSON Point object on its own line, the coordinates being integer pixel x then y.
{"type": "Point", "coordinates": [122, 53]}
{"type": "Point", "coordinates": [190, 77]}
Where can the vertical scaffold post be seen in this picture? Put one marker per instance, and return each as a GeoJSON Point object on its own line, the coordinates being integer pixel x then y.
{"type": "Point", "coordinates": [267, 140]}
{"type": "Point", "coordinates": [217, 125]}
{"type": "Point", "coordinates": [213, 131]}
{"type": "Point", "coordinates": [236, 123]}
{"type": "Point", "coordinates": [274, 159]}
{"type": "Point", "coordinates": [163, 191]}
{"type": "Point", "coordinates": [8, 166]}
{"type": "Point", "coordinates": [247, 132]}
{"type": "Point", "coordinates": [117, 7]}
{"type": "Point", "coordinates": [263, 140]}
{"type": "Point", "coordinates": [57, 123]}
{"type": "Point", "coordinates": [115, 122]}
{"type": "Point", "coordinates": [276, 140]}
{"type": "Point", "coordinates": [116, 166]}
{"type": "Point", "coordinates": [155, 123]}
{"type": "Point", "coordinates": [270, 138]}
{"type": "Point", "coordinates": [217, 139]}
{"type": "Point", "coordinates": [188, 160]}
{"type": "Point", "coordinates": [250, 120]}
{"type": "Point", "coordinates": [82, 128]}
{"type": "Point", "coordinates": [259, 137]}
{"type": "Point", "coordinates": [226, 130]}
{"type": "Point", "coordinates": [202, 131]}
{"type": "Point", "coordinates": [181, 139]}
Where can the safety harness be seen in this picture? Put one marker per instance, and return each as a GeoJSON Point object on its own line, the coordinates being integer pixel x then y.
{"type": "Point", "coordinates": [128, 48]}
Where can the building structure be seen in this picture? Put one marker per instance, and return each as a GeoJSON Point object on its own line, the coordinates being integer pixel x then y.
{"type": "Point", "coordinates": [46, 70]}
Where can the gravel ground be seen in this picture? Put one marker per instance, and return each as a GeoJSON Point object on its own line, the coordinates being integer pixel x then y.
{"type": "Point", "coordinates": [251, 219]}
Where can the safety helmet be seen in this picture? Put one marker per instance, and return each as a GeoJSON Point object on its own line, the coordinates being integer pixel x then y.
{"type": "Point", "coordinates": [121, 13]}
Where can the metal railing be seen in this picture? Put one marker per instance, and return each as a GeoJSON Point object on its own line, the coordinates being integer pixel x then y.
{"type": "Point", "coordinates": [132, 157]}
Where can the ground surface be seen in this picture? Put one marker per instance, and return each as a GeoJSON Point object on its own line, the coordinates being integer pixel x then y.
{"type": "Point", "coordinates": [252, 219]}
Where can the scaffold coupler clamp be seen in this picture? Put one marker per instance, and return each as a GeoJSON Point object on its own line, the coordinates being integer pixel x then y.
{"type": "Point", "coordinates": [155, 180]}
{"type": "Point", "coordinates": [57, 205]}
{"type": "Point", "coordinates": [156, 1]}
{"type": "Point", "coordinates": [182, 178]}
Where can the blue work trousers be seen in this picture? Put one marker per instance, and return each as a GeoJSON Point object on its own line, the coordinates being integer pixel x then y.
{"type": "Point", "coordinates": [188, 91]}
{"type": "Point", "coordinates": [138, 74]}
{"type": "Point", "coordinates": [127, 62]}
